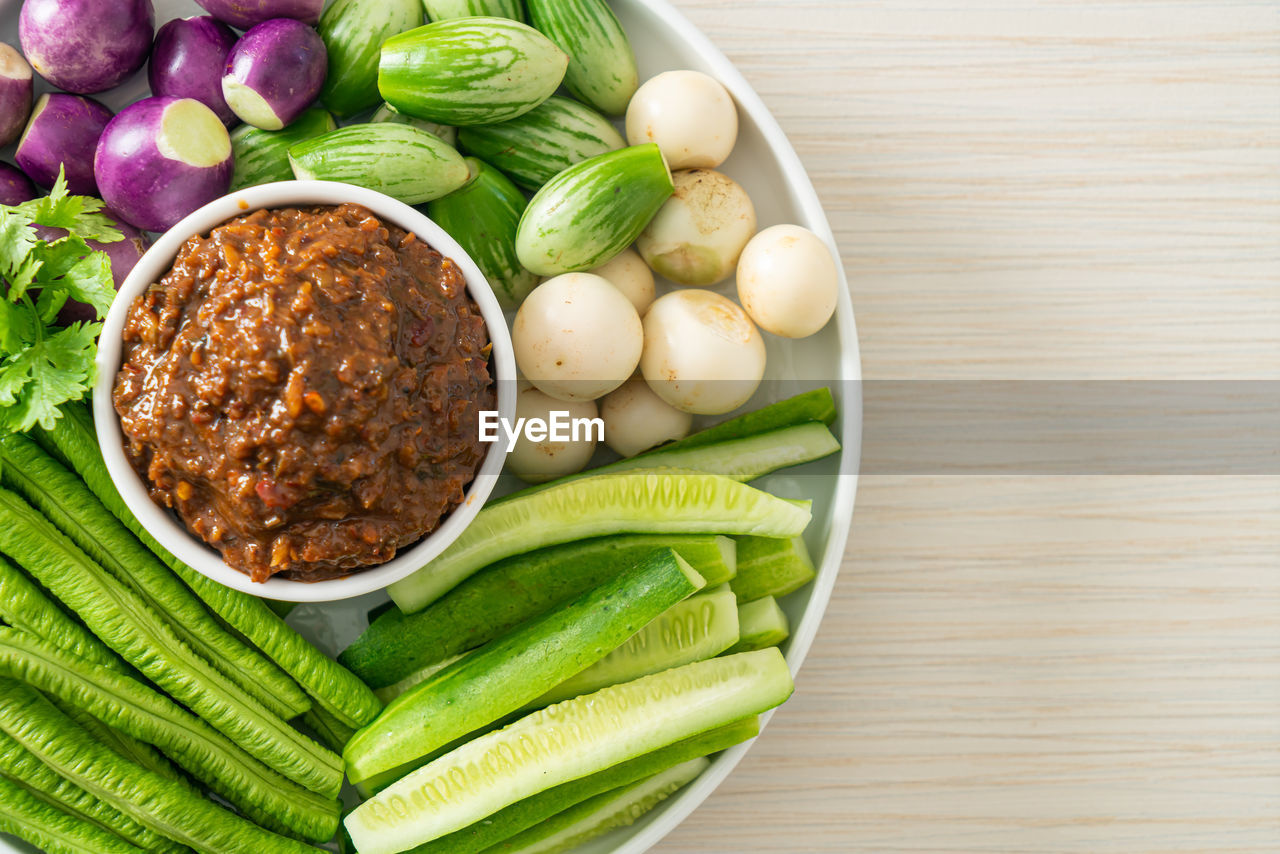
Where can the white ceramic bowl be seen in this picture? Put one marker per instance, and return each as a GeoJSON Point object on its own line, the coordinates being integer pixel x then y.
{"type": "Point", "coordinates": [164, 525]}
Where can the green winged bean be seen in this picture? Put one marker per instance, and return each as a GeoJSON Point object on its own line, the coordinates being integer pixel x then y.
{"type": "Point", "coordinates": [119, 617]}
{"type": "Point", "coordinates": [18, 765]}
{"type": "Point", "coordinates": [24, 605]}
{"type": "Point", "coordinates": [151, 800]}
{"type": "Point", "coordinates": [332, 686]}
{"type": "Point", "coordinates": [52, 829]}
{"type": "Point", "coordinates": [134, 708]}
{"type": "Point", "coordinates": [65, 500]}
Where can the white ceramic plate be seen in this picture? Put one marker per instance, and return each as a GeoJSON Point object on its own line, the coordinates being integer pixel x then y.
{"type": "Point", "coordinates": [767, 166]}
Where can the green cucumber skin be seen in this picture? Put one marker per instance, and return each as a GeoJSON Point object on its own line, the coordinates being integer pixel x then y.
{"type": "Point", "coordinates": [120, 702]}
{"type": "Point", "coordinates": [443, 10]}
{"type": "Point", "coordinates": [744, 459]}
{"type": "Point", "coordinates": [162, 805]}
{"type": "Point", "coordinates": [24, 605]}
{"type": "Point", "coordinates": [482, 216]}
{"type": "Point", "coordinates": [52, 829]}
{"type": "Point", "coordinates": [387, 113]}
{"type": "Point", "coordinates": [262, 156]}
{"type": "Point", "coordinates": [762, 624]}
{"type": "Point", "coordinates": [520, 666]}
{"type": "Point", "coordinates": [603, 813]}
{"type": "Point", "coordinates": [587, 214]}
{"type": "Point", "coordinates": [121, 619]}
{"type": "Point", "coordinates": [815, 405]}
{"type": "Point", "coordinates": [696, 629]}
{"type": "Point", "coordinates": [353, 32]}
{"type": "Point", "coordinates": [565, 742]}
{"type": "Point", "coordinates": [18, 765]}
{"type": "Point", "coordinates": [602, 66]}
{"type": "Point", "coordinates": [508, 593]}
{"type": "Point", "coordinates": [336, 689]}
{"type": "Point", "coordinates": [628, 503]}
{"type": "Point", "coordinates": [771, 567]}
{"type": "Point", "coordinates": [545, 141]}
{"type": "Point", "coordinates": [403, 161]}
{"type": "Point", "coordinates": [67, 502]}
{"type": "Point", "coordinates": [470, 71]}
{"type": "Point", "coordinates": [535, 809]}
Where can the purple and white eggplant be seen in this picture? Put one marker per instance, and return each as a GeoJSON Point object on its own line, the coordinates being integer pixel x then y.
{"type": "Point", "coordinates": [246, 14]}
{"type": "Point", "coordinates": [86, 46]}
{"type": "Point", "coordinates": [162, 158]}
{"type": "Point", "coordinates": [15, 186]}
{"type": "Point", "coordinates": [63, 131]}
{"type": "Point", "coordinates": [188, 59]}
{"type": "Point", "coordinates": [274, 73]}
{"type": "Point", "coordinates": [15, 93]}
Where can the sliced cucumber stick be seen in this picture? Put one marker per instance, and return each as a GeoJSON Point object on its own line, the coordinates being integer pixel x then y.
{"type": "Point", "coordinates": [771, 567]}
{"type": "Point", "coordinates": [514, 669]}
{"type": "Point", "coordinates": [603, 813]}
{"type": "Point", "coordinates": [698, 628]}
{"type": "Point", "coordinates": [761, 624]}
{"type": "Point", "coordinates": [533, 810]}
{"type": "Point", "coordinates": [399, 647]}
{"type": "Point", "coordinates": [631, 502]}
{"type": "Point", "coordinates": [565, 742]}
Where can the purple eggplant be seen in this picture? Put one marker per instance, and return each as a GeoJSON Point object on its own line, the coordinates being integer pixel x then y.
{"type": "Point", "coordinates": [63, 131]}
{"type": "Point", "coordinates": [15, 186]}
{"type": "Point", "coordinates": [274, 73]}
{"type": "Point", "coordinates": [188, 59]}
{"type": "Point", "coordinates": [15, 93]}
{"type": "Point", "coordinates": [246, 14]}
{"type": "Point", "coordinates": [86, 46]}
{"type": "Point", "coordinates": [162, 158]}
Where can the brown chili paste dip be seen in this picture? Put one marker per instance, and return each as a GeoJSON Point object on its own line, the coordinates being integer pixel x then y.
{"type": "Point", "coordinates": [303, 388]}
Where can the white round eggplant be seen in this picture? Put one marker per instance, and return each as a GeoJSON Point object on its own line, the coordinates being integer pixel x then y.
{"type": "Point", "coordinates": [15, 186]}
{"type": "Point", "coordinates": [162, 158]}
{"type": "Point", "coordinates": [696, 237]}
{"type": "Point", "coordinates": [86, 46]}
{"type": "Point", "coordinates": [16, 86]}
{"type": "Point", "coordinates": [63, 131]}
{"type": "Point", "coordinates": [636, 419]}
{"type": "Point", "coordinates": [577, 337]}
{"type": "Point", "coordinates": [628, 272]}
{"type": "Point", "coordinates": [689, 115]}
{"type": "Point", "coordinates": [274, 73]}
{"type": "Point", "coordinates": [188, 60]}
{"type": "Point", "coordinates": [547, 455]}
{"type": "Point", "coordinates": [246, 14]}
{"type": "Point", "coordinates": [702, 354]}
{"type": "Point", "coordinates": [788, 281]}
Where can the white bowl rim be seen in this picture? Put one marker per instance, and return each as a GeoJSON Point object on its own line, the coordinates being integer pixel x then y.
{"type": "Point", "coordinates": [163, 525]}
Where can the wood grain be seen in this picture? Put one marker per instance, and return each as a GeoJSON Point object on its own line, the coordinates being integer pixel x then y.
{"type": "Point", "coordinates": [1034, 190]}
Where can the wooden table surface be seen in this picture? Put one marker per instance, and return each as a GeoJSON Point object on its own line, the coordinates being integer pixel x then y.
{"type": "Point", "coordinates": [1034, 190]}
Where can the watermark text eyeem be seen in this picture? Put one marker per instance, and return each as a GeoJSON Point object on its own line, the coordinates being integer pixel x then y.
{"type": "Point", "coordinates": [558, 426]}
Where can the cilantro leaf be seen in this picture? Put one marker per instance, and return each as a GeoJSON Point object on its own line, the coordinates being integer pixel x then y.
{"type": "Point", "coordinates": [17, 239]}
{"type": "Point", "coordinates": [48, 373]}
{"type": "Point", "coordinates": [80, 215]}
{"type": "Point", "coordinates": [72, 266]}
{"type": "Point", "coordinates": [17, 326]}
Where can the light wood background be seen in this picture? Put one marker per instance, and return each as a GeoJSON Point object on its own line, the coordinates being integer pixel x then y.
{"type": "Point", "coordinates": [1034, 190]}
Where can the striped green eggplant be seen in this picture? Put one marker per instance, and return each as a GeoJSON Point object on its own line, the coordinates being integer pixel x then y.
{"type": "Point", "coordinates": [353, 32]}
{"type": "Point", "coordinates": [470, 71]}
{"type": "Point", "coordinates": [404, 162]}
{"type": "Point", "coordinates": [262, 156]}
{"type": "Point", "coordinates": [602, 66]}
{"type": "Point", "coordinates": [483, 216]}
{"type": "Point", "coordinates": [593, 210]}
{"type": "Point", "coordinates": [537, 146]}
{"type": "Point", "coordinates": [441, 10]}
{"type": "Point", "coordinates": [387, 113]}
